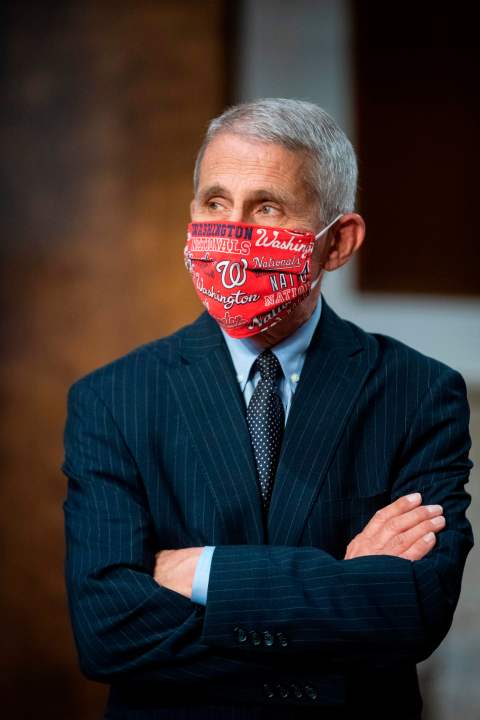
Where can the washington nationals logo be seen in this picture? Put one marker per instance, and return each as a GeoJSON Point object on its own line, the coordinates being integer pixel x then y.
{"type": "Point", "coordinates": [233, 274]}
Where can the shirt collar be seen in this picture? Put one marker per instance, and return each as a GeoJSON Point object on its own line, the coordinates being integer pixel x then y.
{"type": "Point", "coordinates": [290, 352]}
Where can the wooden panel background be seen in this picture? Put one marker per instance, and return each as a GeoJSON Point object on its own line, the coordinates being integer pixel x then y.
{"type": "Point", "coordinates": [102, 108]}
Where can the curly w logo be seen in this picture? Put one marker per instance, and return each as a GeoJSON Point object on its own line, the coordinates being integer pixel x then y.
{"type": "Point", "coordinates": [233, 274]}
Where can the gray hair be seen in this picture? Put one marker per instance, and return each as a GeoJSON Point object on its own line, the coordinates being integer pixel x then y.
{"type": "Point", "coordinates": [298, 126]}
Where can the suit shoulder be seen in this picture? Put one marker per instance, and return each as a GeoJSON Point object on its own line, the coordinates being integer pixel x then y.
{"type": "Point", "coordinates": [394, 354]}
{"type": "Point", "coordinates": [161, 353]}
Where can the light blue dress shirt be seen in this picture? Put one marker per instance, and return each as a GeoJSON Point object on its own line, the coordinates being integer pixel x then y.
{"type": "Point", "coordinates": [291, 354]}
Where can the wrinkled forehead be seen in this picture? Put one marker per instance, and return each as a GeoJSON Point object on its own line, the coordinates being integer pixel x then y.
{"type": "Point", "coordinates": [235, 159]}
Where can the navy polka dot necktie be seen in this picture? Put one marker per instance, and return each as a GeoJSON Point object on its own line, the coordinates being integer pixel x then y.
{"type": "Point", "coordinates": [265, 420]}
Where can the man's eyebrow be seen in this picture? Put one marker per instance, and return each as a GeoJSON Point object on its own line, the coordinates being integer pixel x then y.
{"type": "Point", "coordinates": [271, 194]}
{"type": "Point", "coordinates": [255, 196]}
{"type": "Point", "coordinates": [212, 191]}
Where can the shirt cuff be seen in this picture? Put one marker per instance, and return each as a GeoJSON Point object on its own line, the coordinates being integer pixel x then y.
{"type": "Point", "coordinates": [202, 576]}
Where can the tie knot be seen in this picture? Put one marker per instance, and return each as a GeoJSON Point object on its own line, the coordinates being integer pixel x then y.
{"type": "Point", "coordinates": [268, 365]}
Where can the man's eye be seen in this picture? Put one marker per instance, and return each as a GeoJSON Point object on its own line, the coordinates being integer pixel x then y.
{"type": "Point", "coordinates": [213, 205]}
{"type": "Point", "coordinates": [268, 210]}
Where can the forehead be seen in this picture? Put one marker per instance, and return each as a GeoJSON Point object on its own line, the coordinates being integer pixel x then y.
{"type": "Point", "coordinates": [239, 161]}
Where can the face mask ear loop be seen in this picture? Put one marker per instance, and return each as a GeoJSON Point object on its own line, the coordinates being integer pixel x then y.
{"type": "Point", "coordinates": [322, 232]}
{"type": "Point", "coordinates": [325, 229]}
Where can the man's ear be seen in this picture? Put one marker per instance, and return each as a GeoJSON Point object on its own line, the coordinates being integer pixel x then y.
{"type": "Point", "coordinates": [347, 236]}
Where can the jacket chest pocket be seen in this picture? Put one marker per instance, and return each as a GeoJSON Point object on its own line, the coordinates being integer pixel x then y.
{"type": "Point", "coordinates": [334, 523]}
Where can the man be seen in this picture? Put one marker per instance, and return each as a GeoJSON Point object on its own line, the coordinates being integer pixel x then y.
{"type": "Point", "coordinates": [266, 510]}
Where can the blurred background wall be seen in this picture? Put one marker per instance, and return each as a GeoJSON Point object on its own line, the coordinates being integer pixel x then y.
{"type": "Point", "coordinates": [102, 107]}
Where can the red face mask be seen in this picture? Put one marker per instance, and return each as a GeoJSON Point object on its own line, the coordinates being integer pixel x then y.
{"type": "Point", "coordinates": [249, 277]}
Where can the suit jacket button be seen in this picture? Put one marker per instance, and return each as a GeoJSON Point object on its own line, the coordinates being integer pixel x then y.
{"type": "Point", "coordinates": [310, 692]}
{"type": "Point", "coordinates": [268, 690]}
{"type": "Point", "coordinates": [255, 637]}
{"type": "Point", "coordinates": [282, 639]}
{"type": "Point", "coordinates": [282, 691]}
{"type": "Point", "coordinates": [297, 691]}
{"type": "Point", "coordinates": [241, 634]}
{"type": "Point", "coordinates": [268, 638]}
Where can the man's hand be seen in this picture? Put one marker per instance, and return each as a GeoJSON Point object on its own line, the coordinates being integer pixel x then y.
{"type": "Point", "coordinates": [404, 528]}
{"type": "Point", "coordinates": [175, 569]}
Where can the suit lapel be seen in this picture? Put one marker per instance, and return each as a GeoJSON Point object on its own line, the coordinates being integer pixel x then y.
{"type": "Point", "coordinates": [338, 361]}
{"type": "Point", "coordinates": [211, 404]}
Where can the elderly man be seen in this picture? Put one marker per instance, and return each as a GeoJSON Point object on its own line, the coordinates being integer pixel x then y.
{"type": "Point", "coordinates": [266, 510]}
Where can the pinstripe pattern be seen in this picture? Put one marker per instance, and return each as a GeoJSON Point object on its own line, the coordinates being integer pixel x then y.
{"type": "Point", "coordinates": [158, 455]}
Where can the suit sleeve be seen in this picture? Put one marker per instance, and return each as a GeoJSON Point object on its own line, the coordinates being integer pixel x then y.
{"type": "Point", "coordinates": [371, 608]}
{"type": "Point", "coordinates": [123, 621]}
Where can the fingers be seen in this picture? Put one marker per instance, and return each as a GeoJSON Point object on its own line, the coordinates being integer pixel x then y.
{"type": "Point", "coordinates": [400, 506]}
{"type": "Point", "coordinates": [400, 542]}
{"type": "Point", "coordinates": [420, 548]}
{"type": "Point", "coordinates": [411, 525]}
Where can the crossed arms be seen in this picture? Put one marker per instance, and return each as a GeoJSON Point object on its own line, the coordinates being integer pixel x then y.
{"type": "Point", "coordinates": [404, 529]}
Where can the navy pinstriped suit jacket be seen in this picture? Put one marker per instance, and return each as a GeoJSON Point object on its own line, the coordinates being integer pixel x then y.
{"type": "Point", "coordinates": [157, 454]}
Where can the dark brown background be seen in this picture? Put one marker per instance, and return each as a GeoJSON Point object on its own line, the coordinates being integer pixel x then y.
{"type": "Point", "coordinates": [103, 105]}
{"type": "Point", "coordinates": [418, 112]}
